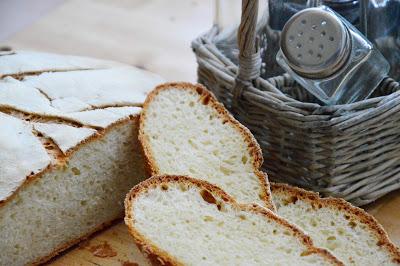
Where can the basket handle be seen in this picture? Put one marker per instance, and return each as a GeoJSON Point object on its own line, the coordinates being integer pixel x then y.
{"type": "Point", "coordinates": [249, 54]}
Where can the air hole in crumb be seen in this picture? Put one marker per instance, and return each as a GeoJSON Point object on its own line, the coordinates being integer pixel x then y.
{"type": "Point", "coordinates": [183, 187]}
{"type": "Point", "coordinates": [208, 197]}
{"type": "Point", "coordinates": [244, 159]}
{"type": "Point", "coordinates": [192, 171]}
{"type": "Point", "coordinates": [380, 243]}
{"type": "Point", "coordinates": [206, 99]}
{"type": "Point", "coordinates": [164, 187]}
{"type": "Point", "coordinates": [293, 199]}
{"type": "Point", "coordinates": [191, 142]}
{"type": "Point", "coordinates": [314, 223]}
{"type": "Point", "coordinates": [242, 217]}
{"type": "Point", "coordinates": [191, 104]}
{"type": "Point", "coordinates": [225, 170]}
{"type": "Point", "coordinates": [208, 218]}
{"type": "Point", "coordinates": [75, 171]}
{"type": "Point", "coordinates": [352, 224]}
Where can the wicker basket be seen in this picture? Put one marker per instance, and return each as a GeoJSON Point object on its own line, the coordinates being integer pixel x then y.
{"type": "Point", "coordinates": [350, 151]}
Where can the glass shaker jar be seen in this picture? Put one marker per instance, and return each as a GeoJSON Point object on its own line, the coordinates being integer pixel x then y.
{"type": "Point", "coordinates": [329, 57]}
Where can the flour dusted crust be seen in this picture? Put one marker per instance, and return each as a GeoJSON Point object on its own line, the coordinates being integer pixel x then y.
{"type": "Point", "coordinates": [158, 256]}
{"type": "Point", "coordinates": [54, 102]}
{"type": "Point", "coordinates": [209, 99]}
{"type": "Point", "coordinates": [18, 63]}
{"type": "Point", "coordinates": [292, 194]}
{"type": "Point", "coordinates": [18, 141]}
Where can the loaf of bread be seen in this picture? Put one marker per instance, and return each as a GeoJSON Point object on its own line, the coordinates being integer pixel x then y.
{"type": "Point", "coordinates": [177, 220]}
{"type": "Point", "coordinates": [185, 131]}
{"type": "Point", "coordinates": [351, 234]}
{"type": "Point", "coordinates": [68, 149]}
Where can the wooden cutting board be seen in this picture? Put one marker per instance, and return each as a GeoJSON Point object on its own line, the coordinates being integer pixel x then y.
{"type": "Point", "coordinates": [155, 35]}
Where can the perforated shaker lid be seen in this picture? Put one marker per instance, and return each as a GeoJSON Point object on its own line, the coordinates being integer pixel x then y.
{"type": "Point", "coordinates": [315, 42]}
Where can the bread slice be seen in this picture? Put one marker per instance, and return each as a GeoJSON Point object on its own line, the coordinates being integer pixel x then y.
{"type": "Point", "coordinates": [185, 131]}
{"type": "Point", "coordinates": [350, 233]}
{"type": "Point", "coordinates": [177, 220]}
{"type": "Point", "coordinates": [69, 149]}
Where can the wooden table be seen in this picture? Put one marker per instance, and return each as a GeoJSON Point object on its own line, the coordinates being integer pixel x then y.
{"type": "Point", "coordinates": [155, 35]}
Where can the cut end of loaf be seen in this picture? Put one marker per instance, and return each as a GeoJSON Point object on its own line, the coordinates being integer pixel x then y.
{"type": "Point", "coordinates": [70, 201]}
{"type": "Point", "coordinates": [184, 130]}
{"type": "Point", "coordinates": [184, 221]}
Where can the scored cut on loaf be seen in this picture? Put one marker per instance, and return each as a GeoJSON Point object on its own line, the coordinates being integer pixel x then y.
{"type": "Point", "coordinates": [184, 130]}
{"type": "Point", "coordinates": [351, 234]}
{"type": "Point", "coordinates": [69, 149]}
{"type": "Point", "coordinates": [177, 220]}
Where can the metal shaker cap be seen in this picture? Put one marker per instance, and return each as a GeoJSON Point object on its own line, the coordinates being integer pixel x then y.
{"type": "Point", "coordinates": [315, 42]}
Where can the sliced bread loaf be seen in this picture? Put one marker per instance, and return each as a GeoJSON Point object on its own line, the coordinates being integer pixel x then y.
{"type": "Point", "coordinates": [350, 233]}
{"type": "Point", "coordinates": [185, 131]}
{"type": "Point", "coordinates": [178, 220]}
{"type": "Point", "coordinates": [69, 151]}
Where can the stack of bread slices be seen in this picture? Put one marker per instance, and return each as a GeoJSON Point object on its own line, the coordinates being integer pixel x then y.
{"type": "Point", "coordinates": [208, 203]}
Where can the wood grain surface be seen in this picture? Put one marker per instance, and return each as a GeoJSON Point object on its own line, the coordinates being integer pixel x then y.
{"type": "Point", "coordinates": [151, 34]}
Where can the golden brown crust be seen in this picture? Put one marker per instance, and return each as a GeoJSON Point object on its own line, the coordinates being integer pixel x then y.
{"type": "Point", "coordinates": [161, 257]}
{"type": "Point", "coordinates": [62, 161]}
{"type": "Point", "coordinates": [355, 213]}
{"type": "Point", "coordinates": [209, 99]}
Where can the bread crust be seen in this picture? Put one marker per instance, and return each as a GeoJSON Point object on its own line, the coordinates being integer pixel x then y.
{"type": "Point", "coordinates": [161, 257]}
{"type": "Point", "coordinates": [254, 149]}
{"type": "Point", "coordinates": [356, 213]}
